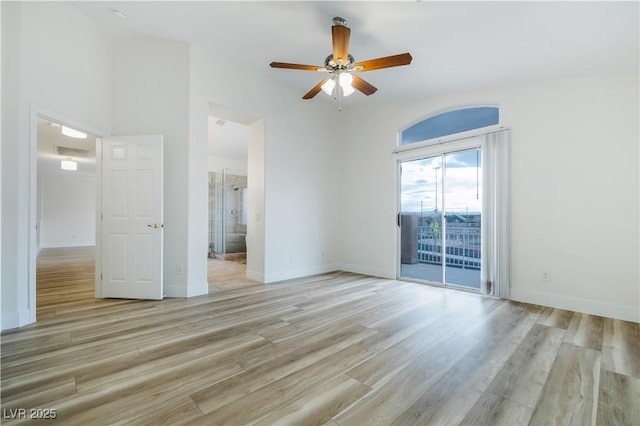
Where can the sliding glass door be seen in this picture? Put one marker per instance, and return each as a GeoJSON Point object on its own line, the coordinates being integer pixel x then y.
{"type": "Point", "coordinates": [462, 212]}
{"type": "Point", "coordinates": [421, 220]}
{"type": "Point", "coordinates": [440, 219]}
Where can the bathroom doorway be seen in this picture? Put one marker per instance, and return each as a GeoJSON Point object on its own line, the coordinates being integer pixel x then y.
{"type": "Point", "coordinates": [228, 190]}
{"type": "Point", "coordinates": [228, 215]}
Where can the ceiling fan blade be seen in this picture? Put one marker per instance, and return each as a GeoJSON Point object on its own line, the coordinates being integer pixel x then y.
{"type": "Point", "coordinates": [363, 86]}
{"type": "Point", "coordinates": [316, 89]}
{"type": "Point", "coordinates": [295, 66]}
{"type": "Point", "coordinates": [340, 35]}
{"type": "Point", "coordinates": [386, 62]}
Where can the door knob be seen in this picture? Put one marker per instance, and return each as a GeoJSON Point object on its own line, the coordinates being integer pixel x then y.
{"type": "Point", "coordinates": [155, 225]}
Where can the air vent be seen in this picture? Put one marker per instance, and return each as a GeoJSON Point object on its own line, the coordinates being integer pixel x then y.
{"type": "Point", "coordinates": [67, 151]}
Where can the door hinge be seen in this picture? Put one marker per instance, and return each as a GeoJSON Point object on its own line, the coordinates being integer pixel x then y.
{"type": "Point", "coordinates": [100, 276]}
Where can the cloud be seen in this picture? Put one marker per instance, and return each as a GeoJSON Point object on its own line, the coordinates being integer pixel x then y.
{"type": "Point", "coordinates": [463, 187]}
{"type": "Point", "coordinates": [463, 159]}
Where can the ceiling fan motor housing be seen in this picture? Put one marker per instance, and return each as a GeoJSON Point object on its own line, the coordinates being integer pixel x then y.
{"type": "Point", "coordinates": [330, 65]}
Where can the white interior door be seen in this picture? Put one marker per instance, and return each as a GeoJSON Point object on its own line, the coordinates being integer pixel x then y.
{"type": "Point", "coordinates": [132, 227]}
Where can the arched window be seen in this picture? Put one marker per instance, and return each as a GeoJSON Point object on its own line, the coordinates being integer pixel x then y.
{"type": "Point", "coordinates": [451, 122]}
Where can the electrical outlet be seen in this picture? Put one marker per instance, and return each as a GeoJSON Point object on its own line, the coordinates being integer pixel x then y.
{"type": "Point", "coordinates": [546, 276]}
{"type": "Point", "coordinates": [178, 269]}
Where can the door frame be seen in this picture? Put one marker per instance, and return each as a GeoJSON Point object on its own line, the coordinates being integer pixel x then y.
{"type": "Point", "coordinates": [438, 147]}
{"type": "Point", "coordinates": [36, 111]}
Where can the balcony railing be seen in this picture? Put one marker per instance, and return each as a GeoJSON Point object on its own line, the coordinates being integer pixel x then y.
{"type": "Point", "coordinates": [462, 246]}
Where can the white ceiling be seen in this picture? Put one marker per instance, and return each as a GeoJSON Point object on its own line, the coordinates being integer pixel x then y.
{"type": "Point", "coordinates": [229, 140]}
{"type": "Point", "coordinates": [455, 45]}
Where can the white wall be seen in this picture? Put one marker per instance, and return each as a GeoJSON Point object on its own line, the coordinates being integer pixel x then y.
{"type": "Point", "coordinates": [574, 188]}
{"type": "Point", "coordinates": [39, 74]}
{"type": "Point", "coordinates": [68, 211]}
{"type": "Point", "coordinates": [217, 163]}
{"type": "Point", "coordinates": [142, 86]}
{"type": "Point", "coordinates": [322, 196]}
{"type": "Point", "coordinates": [151, 96]}
{"type": "Point", "coordinates": [255, 210]}
{"type": "Point", "coordinates": [2, 72]}
{"type": "Point", "coordinates": [297, 214]}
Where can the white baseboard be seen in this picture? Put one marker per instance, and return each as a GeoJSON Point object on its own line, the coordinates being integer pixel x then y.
{"type": "Point", "coordinates": [174, 291]}
{"type": "Point", "coordinates": [69, 244]}
{"type": "Point", "coordinates": [191, 290]}
{"type": "Point", "coordinates": [197, 290]}
{"type": "Point", "coordinates": [299, 273]}
{"type": "Point", "coordinates": [256, 276]}
{"type": "Point", "coordinates": [368, 270]}
{"type": "Point", "coordinates": [15, 319]}
{"type": "Point", "coordinates": [587, 306]}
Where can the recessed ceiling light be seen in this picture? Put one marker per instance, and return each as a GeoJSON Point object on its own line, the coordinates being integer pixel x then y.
{"type": "Point", "coordinates": [73, 133]}
{"type": "Point", "coordinates": [68, 164]}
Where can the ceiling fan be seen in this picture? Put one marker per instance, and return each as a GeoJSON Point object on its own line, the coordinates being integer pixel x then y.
{"type": "Point", "coordinates": [342, 68]}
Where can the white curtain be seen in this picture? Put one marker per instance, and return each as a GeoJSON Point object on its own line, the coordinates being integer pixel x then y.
{"type": "Point", "coordinates": [494, 274]}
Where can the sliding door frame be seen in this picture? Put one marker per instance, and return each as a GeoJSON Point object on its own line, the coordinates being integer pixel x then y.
{"type": "Point", "coordinates": [425, 150]}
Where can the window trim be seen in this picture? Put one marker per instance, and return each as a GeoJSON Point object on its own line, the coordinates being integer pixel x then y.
{"type": "Point", "coordinates": [449, 138]}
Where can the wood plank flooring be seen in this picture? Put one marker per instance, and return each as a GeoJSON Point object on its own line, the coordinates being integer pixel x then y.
{"type": "Point", "coordinates": [336, 349]}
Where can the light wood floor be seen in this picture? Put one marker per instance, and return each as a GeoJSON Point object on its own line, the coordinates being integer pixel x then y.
{"type": "Point", "coordinates": [336, 349]}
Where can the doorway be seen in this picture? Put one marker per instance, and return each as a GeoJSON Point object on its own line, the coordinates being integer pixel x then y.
{"type": "Point", "coordinates": [64, 214]}
{"type": "Point", "coordinates": [228, 190]}
{"type": "Point", "coordinates": [441, 218]}
{"type": "Point", "coordinates": [228, 215]}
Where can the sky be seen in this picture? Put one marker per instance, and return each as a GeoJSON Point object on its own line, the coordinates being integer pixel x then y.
{"type": "Point", "coordinates": [463, 183]}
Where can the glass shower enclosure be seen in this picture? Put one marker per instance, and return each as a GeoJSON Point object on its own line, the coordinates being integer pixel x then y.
{"type": "Point", "coordinates": [228, 214]}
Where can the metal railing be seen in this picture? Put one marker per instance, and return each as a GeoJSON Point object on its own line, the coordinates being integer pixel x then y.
{"type": "Point", "coordinates": [462, 246]}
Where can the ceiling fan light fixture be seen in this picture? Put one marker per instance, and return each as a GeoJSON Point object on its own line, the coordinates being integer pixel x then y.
{"type": "Point", "coordinates": [328, 86]}
{"type": "Point", "coordinates": [346, 81]}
